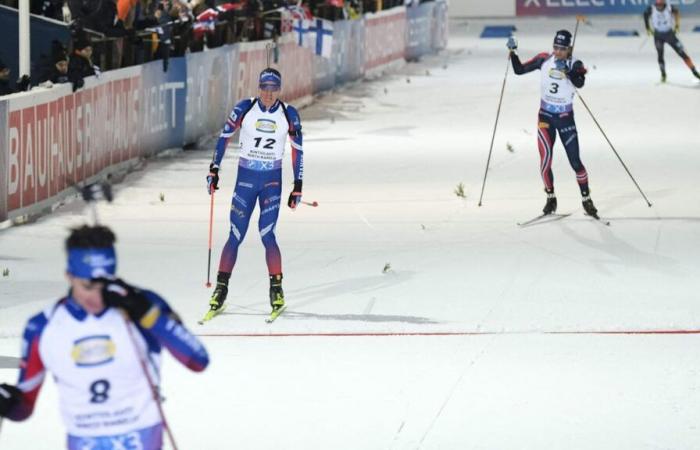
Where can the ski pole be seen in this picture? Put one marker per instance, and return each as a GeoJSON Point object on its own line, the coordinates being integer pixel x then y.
{"type": "Point", "coordinates": [211, 223]}
{"type": "Point", "coordinates": [495, 126]}
{"type": "Point", "coordinates": [578, 94]}
{"type": "Point", "coordinates": [314, 203]}
{"type": "Point", "coordinates": [613, 149]}
{"type": "Point", "coordinates": [154, 389]}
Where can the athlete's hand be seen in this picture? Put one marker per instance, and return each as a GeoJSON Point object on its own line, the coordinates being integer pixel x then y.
{"type": "Point", "coordinates": [295, 195]}
{"type": "Point", "coordinates": [213, 178]}
{"type": "Point", "coordinates": [118, 294]}
{"type": "Point", "coordinates": [9, 397]}
{"type": "Point", "coordinates": [512, 44]}
{"type": "Point", "coordinates": [576, 69]}
{"type": "Point", "coordinates": [650, 32]}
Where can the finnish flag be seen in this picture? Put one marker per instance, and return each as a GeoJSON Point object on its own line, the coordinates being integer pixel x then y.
{"type": "Point", "coordinates": [321, 37]}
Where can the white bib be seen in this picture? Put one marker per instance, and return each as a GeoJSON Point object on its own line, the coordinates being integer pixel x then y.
{"type": "Point", "coordinates": [263, 136]}
{"type": "Point", "coordinates": [662, 21]}
{"type": "Point", "coordinates": [101, 386]}
{"type": "Point", "coordinates": [557, 90]}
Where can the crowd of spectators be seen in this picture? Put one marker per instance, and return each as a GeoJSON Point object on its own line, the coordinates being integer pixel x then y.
{"type": "Point", "coordinates": [108, 34]}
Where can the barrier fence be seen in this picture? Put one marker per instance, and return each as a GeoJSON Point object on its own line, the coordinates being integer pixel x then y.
{"type": "Point", "coordinates": [54, 138]}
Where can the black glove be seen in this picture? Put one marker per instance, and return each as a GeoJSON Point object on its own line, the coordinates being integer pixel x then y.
{"type": "Point", "coordinates": [295, 195]}
{"type": "Point", "coordinates": [9, 397]}
{"type": "Point", "coordinates": [576, 71]}
{"type": "Point", "coordinates": [23, 83]}
{"type": "Point", "coordinates": [77, 84]}
{"type": "Point", "coordinates": [117, 294]}
{"type": "Point", "coordinates": [213, 178]}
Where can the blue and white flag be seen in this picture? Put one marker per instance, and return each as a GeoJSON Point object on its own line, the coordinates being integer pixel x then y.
{"type": "Point", "coordinates": [320, 37]}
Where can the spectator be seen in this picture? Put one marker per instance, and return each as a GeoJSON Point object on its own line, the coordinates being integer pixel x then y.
{"type": "Point", "coordinates": [5, 89]}
{"type": "Point", "coordinates": [80, 64]}
{"type": "Point", "coordinates": [56, 71]}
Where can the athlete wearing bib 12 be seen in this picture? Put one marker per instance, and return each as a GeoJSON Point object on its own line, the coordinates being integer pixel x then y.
{"type": "Point", "coordinates": [559, 78]}
{"type": "Point", "coordinates": [265, 122]}
{"type": "Point", "coordinates": [663, 22]}
{"type": "Point", "coordinates": [97, 355]}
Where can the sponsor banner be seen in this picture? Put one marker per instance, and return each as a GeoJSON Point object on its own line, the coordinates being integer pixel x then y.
{"type": "Point", "coordinates": [440, 23]}
{"type": "Point", "coordinates": [323, 73]}
{"type": "Point", "coordinates": [162, 105]}
{"type": "Point", "coordinates": [3, 161]}
{"type": "Point", "coordinates": [420, 24]}
{"type": "Point", "coordinates": [348, 50]}
{"type": "Point", "coordinates": [385, 37]}
{"type": "Point", "coordinates": [591, 7]}
{"type": "Point", "coordinates": [212, 78]}
{"type": "Point", "coordinates": [56, 138]}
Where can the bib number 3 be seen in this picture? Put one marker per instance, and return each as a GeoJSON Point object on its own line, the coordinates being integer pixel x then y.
{"type": "Point", "coordinates": [554, 88]}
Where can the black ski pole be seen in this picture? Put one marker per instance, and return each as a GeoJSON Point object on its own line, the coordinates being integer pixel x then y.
{"type": "Point", "coordinates": [578, 94]}
{"type": "Point", "coordinates": [495, 126]}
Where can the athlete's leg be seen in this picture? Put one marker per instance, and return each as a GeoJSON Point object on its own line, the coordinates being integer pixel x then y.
{"type": "Point", "coordinates": [546, 136]}
{"type": "Point", "coordinates": [242, 206]}
{"type": "Point", "coordinates": [676, 44]}
{"type": "Point", "coordinates": [659, 44]}
{"type": "Point", "coordinates": [569, 137]}
{"type": "Point", "coordinates": [269, 200]}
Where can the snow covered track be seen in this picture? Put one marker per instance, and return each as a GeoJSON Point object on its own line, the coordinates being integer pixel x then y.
{"type": "Point", "coordinates": [416, 319]}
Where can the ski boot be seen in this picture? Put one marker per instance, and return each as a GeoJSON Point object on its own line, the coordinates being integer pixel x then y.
{"type": "Point", "coordinates": [663, 77]}
{"type": "Point", "coordinates": [695, 72]}
{"type": "Point", "coordinates": [551, 206]}
{"type": "Point", "coordinates": [216, 303]}
{"type": "Point", "coordinates": [589, 207]}
{"type": "Point", "coordinates": [276, 292]}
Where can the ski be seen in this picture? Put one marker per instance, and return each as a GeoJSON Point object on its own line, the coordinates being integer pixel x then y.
{"type": "Point", "coordinates": [275, 314]}
{"type": "Point", "coordinates": [540, 219]}
{"type": "Point", "coordinates": [211, 314]}
{"type": "Point", "coordinates": [598, 219]}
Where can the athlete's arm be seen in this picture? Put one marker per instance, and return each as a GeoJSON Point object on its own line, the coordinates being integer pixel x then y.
{"type": "Point", "coordinates": [295, 137]}
{"type": "Point", "coordinates": [530, 66]}
{"type": "Point", "coordinates": [647, 14]}
{"type": "Point", "coordinates": [233, 122]}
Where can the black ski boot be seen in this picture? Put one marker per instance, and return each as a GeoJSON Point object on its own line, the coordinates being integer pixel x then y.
{"type": "Point", "coordinates": [695, 72]}
{"type": "Point", "coordinates": [218, 298]}
{"type": "Point", "coordinates": [589, 207]}
{"type": "Point", "coordinates": [663, 76]}
{"type": "Point", "coordinates": [276, 292]}
{"type": "Point", "coordinates": [551, 206]}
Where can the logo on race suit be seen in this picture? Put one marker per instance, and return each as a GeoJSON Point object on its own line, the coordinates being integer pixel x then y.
{"type": "Point", "coordinates": [239, 199]}
{"type": "Point", "coordinates": [568, 129]}
{"type": "Point", "coordinates": [246, 185]}
{"type": "Point", "coordinates": [273, 183]}
{"type": "Point", "coordinates": [266, 126]}
{"type": "Point", "coordinates": [238, 212]}
{"type": "Point", "coordinates": [556, 74]}
{"type": "Point", "coordinates": [274, 198]}
{"type": "Point", "coordinates": [270, 209]}
{"type": "Point", "coordinates": [93, 351]}
{"type": "Point", "coordinates": [543, 125]}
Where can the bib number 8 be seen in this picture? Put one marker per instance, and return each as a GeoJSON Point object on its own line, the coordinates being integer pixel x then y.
{"type": "Point", "coordinates": [100, 391]}
{"type": "Point", "coordinates": [554, 88]}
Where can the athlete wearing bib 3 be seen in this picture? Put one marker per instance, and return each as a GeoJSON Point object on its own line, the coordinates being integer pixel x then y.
{"type": "Point", "coordinates": [265, 122]}
{"type": "Point", "coordinates": [663, 22]}
{"type": "Point", "coordinates": [560, 76]}
{"type": "Point", "coordinates": [96, 342]}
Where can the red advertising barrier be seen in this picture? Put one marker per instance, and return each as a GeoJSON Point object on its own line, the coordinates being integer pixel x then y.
{"type": "Point", "coordinates": [57, 138]}
{"type": "Point", "coordinates": [385, 38]}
